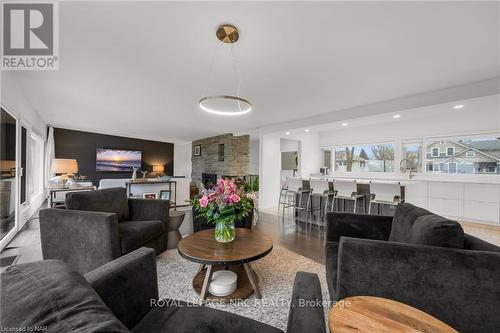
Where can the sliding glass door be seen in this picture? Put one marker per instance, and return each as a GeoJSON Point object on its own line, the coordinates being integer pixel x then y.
{"type": "Point", "coordinates": [8, 182]}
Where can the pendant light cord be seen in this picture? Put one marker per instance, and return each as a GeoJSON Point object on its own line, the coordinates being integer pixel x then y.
{"type": "Point", "coordinates": [210, 69]}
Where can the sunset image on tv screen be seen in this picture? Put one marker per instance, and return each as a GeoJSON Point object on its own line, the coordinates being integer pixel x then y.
{"type": "Point", "coordinates": [117, 160]}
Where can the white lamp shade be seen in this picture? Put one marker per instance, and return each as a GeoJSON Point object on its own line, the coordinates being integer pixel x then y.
{"type": "Point", "coordinates": [64, 165]}
{"type": "Point", "coordinates": [158, 168]}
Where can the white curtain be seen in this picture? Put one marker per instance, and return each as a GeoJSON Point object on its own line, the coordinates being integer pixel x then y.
{"type": "Point", "coordinates": [49, 157]}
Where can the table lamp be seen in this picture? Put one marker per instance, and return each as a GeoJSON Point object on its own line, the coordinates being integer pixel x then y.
{"type": "Point", "coordinates": [64, 167]}
{"type": "Point", "coordinates": [159, 169]}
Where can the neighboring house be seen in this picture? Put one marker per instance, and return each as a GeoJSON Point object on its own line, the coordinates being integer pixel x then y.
{"type": "Point", "coordinates": [464, 157]}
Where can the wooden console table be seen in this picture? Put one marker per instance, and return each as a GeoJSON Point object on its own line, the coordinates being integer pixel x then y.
{"type": "Point", "coordinates": [57, 189]}
{"type": "Point", "coordinates": [130, 183]}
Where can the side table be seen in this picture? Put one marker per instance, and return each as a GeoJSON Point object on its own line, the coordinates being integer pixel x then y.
{"type": "Point", "coordinates": [174, 236]}
{"type": "Point", "coordinates": [368, 314]}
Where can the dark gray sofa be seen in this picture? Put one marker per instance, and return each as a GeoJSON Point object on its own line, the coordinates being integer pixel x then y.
{"type": "Point", "coordinates": [417, 258]}
{"type": "Point", "coordinates": [99, 226]}
{"type": "Point", "coordinates": [122, 296]}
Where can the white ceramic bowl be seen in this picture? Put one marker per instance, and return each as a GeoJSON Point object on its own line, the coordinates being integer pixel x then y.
{"type": "Point", "coordinates": [223, 283]}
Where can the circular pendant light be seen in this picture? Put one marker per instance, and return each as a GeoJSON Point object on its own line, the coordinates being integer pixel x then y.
{"type": "Point", "coordinates": [226, 105]}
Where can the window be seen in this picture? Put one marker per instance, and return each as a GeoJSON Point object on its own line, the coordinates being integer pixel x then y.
{"type": "Point", "coordinates": [470, 153]}
{"type": "Point", "coordinates": [466, 155]}
{"type": "Point", "coordinates": [412, 156]}
{"type": "Point", "coordinates": [365, 158]}
{"type": "Point", "coordinates": [327, 158]}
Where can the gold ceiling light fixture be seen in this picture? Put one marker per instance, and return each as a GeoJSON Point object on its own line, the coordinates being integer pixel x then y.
{"type": "Point", "coordinates": [222, 104]}
{"type": "Point", "coordinates": [228, 33]}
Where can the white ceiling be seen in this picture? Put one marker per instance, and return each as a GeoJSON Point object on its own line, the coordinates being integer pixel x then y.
{"type": "Point", "coordinates": [138, 69]}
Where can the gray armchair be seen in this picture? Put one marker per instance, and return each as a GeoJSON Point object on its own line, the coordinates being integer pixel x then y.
{"type": "Point", "coordinates": [99, 226]}
{"type": "Point", "coordinates": [115, 298]}
{"type": "Point", "coordinates": [417, 258]}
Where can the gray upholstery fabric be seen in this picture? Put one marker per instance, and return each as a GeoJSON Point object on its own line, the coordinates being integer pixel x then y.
{"type": "Point", "coordinates": [127, 285]}
{"type": "Point", "coordinates": [85, 240]}
{"type": "Point", "coordinates": [88, 239]}
{"type": "Point", "coordinates": [110, 200]}
{"type": "Point", "coordinates": [474, 243]}
{"type": "Point", "coordinates": [182, 317]}
{"type": "Point", "coordinates": [119, 295]}
{"type": "Point", "coordinates": [306, 308]}
{"type": "Point", "coordinates": [134, 234]}
{"type": "Point", "coordinates": [357, 225]}
{"type": "Point", "coordinates": [459, 287]}
{"type": "Point", "coordinates": [351, 225]}
{"type": "Point", "coordinates": [49, 293]}
{"type": "Point", "coordinates": [146, 210]}
{"type": "Point", "coordinates": [331, 263]}
{"type": "Point", "coordinates": [416, 225]}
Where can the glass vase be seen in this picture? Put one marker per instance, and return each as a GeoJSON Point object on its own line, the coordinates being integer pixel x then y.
{"type": "Point", "coordinates": [224, 232]}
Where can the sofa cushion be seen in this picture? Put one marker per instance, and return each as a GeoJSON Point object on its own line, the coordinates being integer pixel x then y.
{"type": "Point", "coordinates": [331, 263]}
{"type": "Point", "coordinates": [50, 293]}
{"type": "Point", "coordinates": [181, 317]}
{"type": "Point", "coordinates": [109, 200]}
{"type": "Point", "coordinates": [416, 225]}
{"type": "Point", "coordinates": [134, 234]}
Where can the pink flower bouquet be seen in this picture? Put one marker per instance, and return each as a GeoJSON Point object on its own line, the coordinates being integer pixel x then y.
{"type": "Point", "coordinates": [223, 204]}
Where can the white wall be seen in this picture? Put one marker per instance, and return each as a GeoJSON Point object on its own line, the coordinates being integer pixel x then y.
{"type": "Point", "coordinates": [269, 171]}
{"type": "Point", "coordinates": [14, 101]}
{"type": "Point", "coordinates": [309, 154]}
{"type": "Point", "coordinates": [253, 167]}
{"type": "Point", "coordinates": [289, 145]}
{"type": "Point", "coordinates": [182, 159]}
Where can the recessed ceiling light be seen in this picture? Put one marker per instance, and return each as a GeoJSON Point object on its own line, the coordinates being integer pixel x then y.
{"type": "Point", "coordinates": [287, 133]}
{"type": "Point", "coordinates": [396, 116]}
{"type": "Point", "coordinates": [459, 106]}
{"type": "Point", "coordinates": [307, 130]}
{"type": "Point", "coordinates": [344, 124]}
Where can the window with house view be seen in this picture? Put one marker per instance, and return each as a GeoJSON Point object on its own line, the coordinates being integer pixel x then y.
{"type": "Point", "coordinates": [412, 155]}
{"type": "Point", "coordinates": [365, 158]}
{"type": "Point", "coordinates": [463, 156]}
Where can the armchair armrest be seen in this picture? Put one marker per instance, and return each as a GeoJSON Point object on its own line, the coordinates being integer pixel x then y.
{"type": "Point", "coordinates": [358, 226]}
{"type": "Point", "coordinates": [147, 209]}
{"type": "Point", "coordinates": [83, 239]}
{"type": "Point", "coordinates": [459, 287]}
{"type": "Point", "coordinates": [306, 309]}
{"type": "Point", "coordinates": [127, 285]}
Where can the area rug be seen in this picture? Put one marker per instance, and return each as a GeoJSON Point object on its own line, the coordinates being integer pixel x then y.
{"type": "Point", "coordinates": [276, 273]}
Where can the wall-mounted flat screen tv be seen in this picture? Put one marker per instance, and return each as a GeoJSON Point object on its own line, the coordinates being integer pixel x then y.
{"type": "Point", "coordinates": [116, 160]}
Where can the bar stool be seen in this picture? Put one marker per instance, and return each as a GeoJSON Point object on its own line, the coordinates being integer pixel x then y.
{"type": "Point", "coordinates": [384, 194]}
{"type": "Point", "coordinates": [319, 188]}
{"type": "Point", "coordinates": [294, 187]}
{"type": "Point", "coordinates": [347, 190]}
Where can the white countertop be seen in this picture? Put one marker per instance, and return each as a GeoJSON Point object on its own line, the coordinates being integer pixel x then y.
{"type": "Point", "coordinates": [419, 178]}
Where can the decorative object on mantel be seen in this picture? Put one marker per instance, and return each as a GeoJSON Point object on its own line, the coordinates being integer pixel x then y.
{"type": "Point", "coordinates": [226, 105]}
{"type": "Point", "coordinates": [197, 151]}
{"type": "Point", "coordinates": [134, 174]}
{"type": "Point", "coordinates": [144, 174]}
{"type": "Point", "coordinates": [222, 205]}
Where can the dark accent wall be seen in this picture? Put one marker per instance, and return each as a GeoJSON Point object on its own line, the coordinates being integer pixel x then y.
{"type": "Point", "coordinates": [82, 147]}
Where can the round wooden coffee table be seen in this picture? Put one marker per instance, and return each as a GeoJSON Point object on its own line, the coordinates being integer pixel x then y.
{"type": "Point", "coordinates": [248, 245]}
{"type": "Point", "coordinates": [367, 314]}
